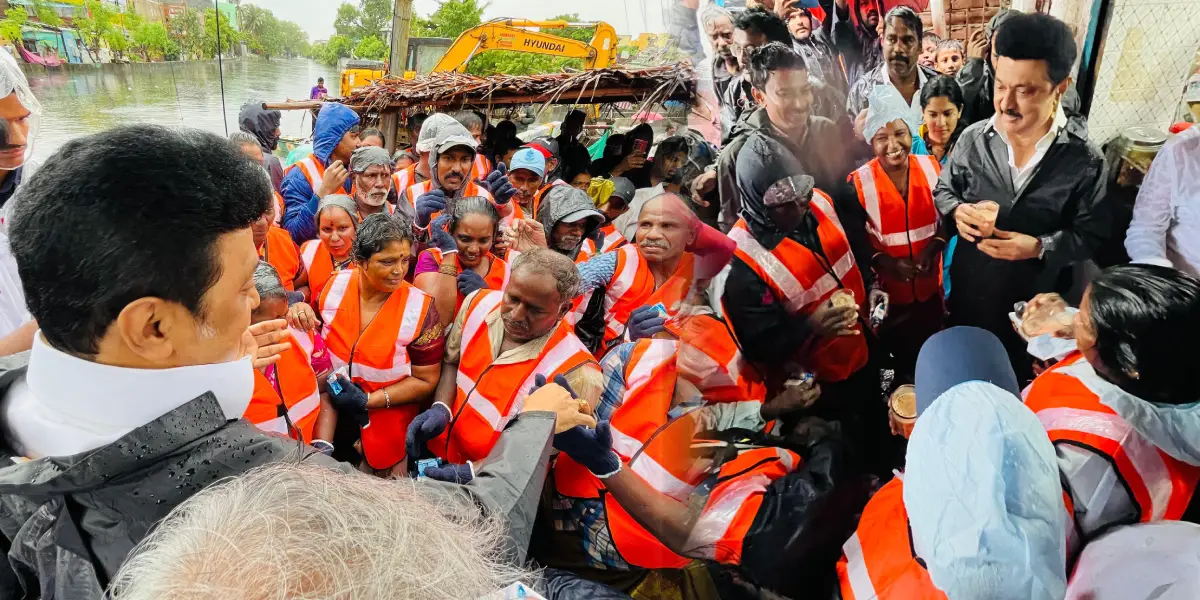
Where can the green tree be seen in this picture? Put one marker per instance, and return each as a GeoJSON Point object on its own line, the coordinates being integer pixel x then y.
{"type": "Point", "coordinates": [338, 47]}
{"type": "Point", "coordinates": [14, 20]}
{"type": "Point", "coordinates": [117, 42]}
{"type": "Point", "coordinates": [346, 23]}
{"type": "Point", "coordinates": [229, 37]}
{"type": "Point", "coordinates": [95, 23]}
{"type": "Point", "coordinates": [295, 39]}
{"type": "Point", "coordinates": [375, 17]}
{"type": "Point", "coordinates": [152, 39]}
{"type": "Point", "coordinates": [450, 19]}
{"type": "Point", "coordinates": [187, 30]}
{"type": "Point", "coordinates": [45, 14]}
{"type": "Point", "coordinates": [372, 48]}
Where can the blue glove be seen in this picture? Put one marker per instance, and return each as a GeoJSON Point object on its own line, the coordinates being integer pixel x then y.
{"type": "Point", "coordinates": [429, 203]}
{"type": "Point", "coordinates": [469, 281]}
{"type": "Point", "coordinates": [460, 474]}
{"type": "Point", "coordinates": [644, 322]}
{"type": "Point", "coordinates": [440, 238]}
{"type": "Point", "coordinates": [323, 447]}
{"type": "Point", "coordinates": [591, 448]}
{"type": "Point", "coordinates": [352, 400]}
{"type": "Point", "coordinates": [425, 427]}
{"type": "Point", "coordinates": [498, 185]}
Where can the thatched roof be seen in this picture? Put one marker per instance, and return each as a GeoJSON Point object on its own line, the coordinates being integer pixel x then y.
{"type": "Point", "coordinates": [448, 91]}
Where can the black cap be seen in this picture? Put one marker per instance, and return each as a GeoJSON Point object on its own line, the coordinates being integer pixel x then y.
{"type": "Point", "coordinates": [958, 355]}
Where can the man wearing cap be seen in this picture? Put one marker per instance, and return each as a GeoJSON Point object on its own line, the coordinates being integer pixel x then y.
{"type": "Point", "coordinates": [451, 159]}
{"type": "Point", "coordinates": [550, 150]}
{"type": "Point", "coordinates": [371, 169]}
{"type": "Point", "coordinates": [569, 218]}
{"type": "Point", "coordinates": [979, 468]}
{"type": "Point", "coordinates": [335, 137]}
{"type": "Point", "coordinates": [526, 172]}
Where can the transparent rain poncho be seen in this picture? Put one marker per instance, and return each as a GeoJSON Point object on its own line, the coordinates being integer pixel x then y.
{"type": "Point", "coordinates": [12, 81]}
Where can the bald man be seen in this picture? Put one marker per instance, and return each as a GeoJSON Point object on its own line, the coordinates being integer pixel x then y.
{"type": "Point", "coordinates": [646, 281]}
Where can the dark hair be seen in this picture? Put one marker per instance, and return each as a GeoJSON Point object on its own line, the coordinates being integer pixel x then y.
{"type": "Point", "coordinates": [132, 212]}
{"type": "Point", "coordinates": [320, 79]}
{"type": "Point", "coordinates": [767, 23]}
{"type": "Point", "coordinates": [376, 232]}
{"type": "Point", "coordinates": [672, 145]}
{"type": "Point", "coordinates": [576, 114]}
{"type": "Point", "coordinates": [474, 205]}
{"type": "Point", "coordinates": [571, 169]}
{"type": "Point", "coordinates": [1038, 37]}
{"type": "Point", "coordinates": [371, 131]}
{"type": "Point", "coordinates": [415, 121]}
{"type": "Point", "coordinates": [1145, 317]}
{"type": "Point", "coordinates": [770, 58]}
{"type": "Point", "coordinates": [942, 86]}
{"type": "Point", "coordinates": [909, 17]}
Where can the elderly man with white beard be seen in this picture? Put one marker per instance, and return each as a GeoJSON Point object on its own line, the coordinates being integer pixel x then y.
{"type": "Point", "coordinates": [371, 169]}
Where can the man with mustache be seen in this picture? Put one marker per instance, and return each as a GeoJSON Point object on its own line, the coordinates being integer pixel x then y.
{"type": "Point", "coordinates": [371, 169]}
{"type": "Point", "coordinates": [812, 42]}
{"type": "Point", "coordinates": [857, 37]}
{"type": "Point", "coordinates": [526, 172]}
{"type": "Point", "coordinates": [451, 161]}
{"type": "Point", "coordinates": [1039, 167]}
{"type": "Point", "coordinates": [718, 26]}
{"type": "Point", "coordinates": [902, 34]}
{"type": "Point", "coordinates": [568, 216]}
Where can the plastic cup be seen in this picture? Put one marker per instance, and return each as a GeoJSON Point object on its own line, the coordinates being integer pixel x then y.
{"type": "Point", "coordinates": [902, 410]}
{"type": "Point", "coordinates": [843, 297]}
{"type": "Point", "coordinates": [988, 212]}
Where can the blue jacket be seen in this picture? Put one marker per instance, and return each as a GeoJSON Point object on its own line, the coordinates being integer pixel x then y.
{"type": "Point", "coordinates": [299, 197]}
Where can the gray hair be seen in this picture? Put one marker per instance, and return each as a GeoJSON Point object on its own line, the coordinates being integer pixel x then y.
{"type": "Point", "coordinates": [267, 282]}
{"type": "Point", "coordinates": [291, 530]}
{"type": "Point", "coordinates": [473, 205]}
{"type": "Point", "coordinates": [549, 262]}
{"type": "Point", "coordinates": [369, 156]}
{"type": "Point", "coordinates": [341, 201]}
{"type": "Point", "coordinates": [713, 13]}
{"type": "Point", "coordinates": [241, 138]}
{"type": "Point", "coordinates": [376, 232]}
{"type": "Point", "coordinates": [468, 119]}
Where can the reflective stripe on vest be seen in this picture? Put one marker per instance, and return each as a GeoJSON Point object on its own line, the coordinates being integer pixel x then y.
{"type": "Point", "coordinates": [313, 171]}
{"type": "Point", "coordinates": [586, 251]}
{"type": "Point", "coordinates": [733, 504]}
{"type": "Point", "coordinates": [496, 278]}
{"type": "Point", "coordinates": [299, 388]}
{"type": "Point", "coordinates": [711, 360]}
{"type": "Point", "coordinates": [878, 561]}
{"type": "Point", "coordinates": [612, 238]}
{"type": "Point", "coordinates": [481, 168]}
{"type": "Point", "coordinates": [632, 286]}
{"type": "Point", "coordinates": [900, 234]}
{"type": "Point", "coordinates": [1067, 400]}
{"type": "Point", "coordinates": [491, 394]}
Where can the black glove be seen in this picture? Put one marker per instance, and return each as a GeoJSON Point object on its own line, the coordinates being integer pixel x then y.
{"type": "Point", "coordinates": [429, 203]}
{"type": "Point", "coordinates": [352, 400]}
{"type": "Point", "coordinates": [591, 448]}
{"type": "Point", "coordinates": [469, 281]}
{"type": "Point", "coordinates": [425, 427]}
{"type": "Point", "coordinates": [597, 238]}
{"type": "Point", "coordinates": [644, 322]}
{"type": "Point", "coordinates": [498, 185]}
{"type": "Point", "coordinates": [440, 238]}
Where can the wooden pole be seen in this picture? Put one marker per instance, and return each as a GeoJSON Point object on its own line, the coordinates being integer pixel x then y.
{"type": "Point", "coordinates": [401, 22]}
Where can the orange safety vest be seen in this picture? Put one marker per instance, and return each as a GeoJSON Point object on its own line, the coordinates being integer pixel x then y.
{"type": "Point", "coordinates": [482, 167]}
{"type": "Point", "coordinates": [803, 281]}
{"type": "Point", "coordinates": [472, 189]}
{"type": "Point", "coordinates": [720, 531]}
{"type": "Point", "coordinates": [298, 386]}
{"type": "Point", "coordinates": [281, 252]}
{"type": "Point", "coordinates": [878, 561]}
{"type": "Point", "coordinates": [314, 172]}
{"type": "Point", "coordinates": [489, 394]}
{"type": "Point", "coordinates": [632, 286]}
{"type": "Point", "coordinates": [496, 278]}
{"type": "Point", "coordinates": [652, 445]}
{"type": "Point", "coordinates": [318, 262]}
{"type": "Point", "coordinates": [900, 228]}
{"type": "Point", "coordinates": [279, 208]}
{"type": "Point", "coordinates": [1066, 399]}
{"type": "Point", "coordinates": [378, 355]}
{"type": "Point", "coordinates": [710, 358]}
{"type": "Point", "coordinates": [402, 180]}
{"type": "Point", "coordinates": [612, 238]}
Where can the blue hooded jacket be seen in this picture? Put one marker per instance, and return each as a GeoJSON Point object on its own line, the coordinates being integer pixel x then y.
{"type": "Point", "coordinates": [300, 198]}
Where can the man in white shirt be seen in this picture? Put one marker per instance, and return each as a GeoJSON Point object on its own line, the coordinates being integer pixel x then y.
{"type": "Point", "coordinates": [1165, 230]}
{"type": "Point", "coordinates": [19, 115]}
{"type": "Point", "coordinates": [1039, 167]}
{"type": "Point", "coordinates": [902, 35]}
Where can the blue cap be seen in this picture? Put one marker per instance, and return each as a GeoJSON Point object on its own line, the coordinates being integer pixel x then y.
{"type": "Point", "coordinates": [958, 355]}
{"type": "Point", "coordinates": [530, 160]}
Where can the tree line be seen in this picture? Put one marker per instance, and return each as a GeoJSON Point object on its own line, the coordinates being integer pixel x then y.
{"type": "Point", "coordinates": [360, 33]}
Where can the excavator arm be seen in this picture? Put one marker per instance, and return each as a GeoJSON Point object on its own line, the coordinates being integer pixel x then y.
{"type": "Point", "coordinates": [513, 35]}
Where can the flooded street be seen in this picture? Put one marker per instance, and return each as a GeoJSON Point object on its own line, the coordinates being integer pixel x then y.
{"type": "Point", "coordinates": [81, 100]}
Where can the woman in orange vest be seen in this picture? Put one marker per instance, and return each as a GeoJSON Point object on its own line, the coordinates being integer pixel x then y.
{"type": "Point", "coordinates": [289, 396]}
{"type": "Point", "coordinates": [275, 246]}
{"type": "Point", "coordinates": [460, 260]}
{"type": "Point", "coordinates": [895, 191]}
{"type": "Point", "coordinates": [387, 336]}
{"type": "Point", "coordinates": [1124, 407]}
{"type": "Point", "coordinates": [337, 223]}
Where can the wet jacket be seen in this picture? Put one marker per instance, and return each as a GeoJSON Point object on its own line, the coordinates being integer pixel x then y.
{"type": "Point", "coordinates": [563, 200]}
{"type": "Point", "coordinates": [977, 81]}
{"type": "Point", "coordinates": [858, 45]}
{"type": "Point", "coordinates": [1061, 204]}
{"type": "Point", "coordinates": [262, 124]}
{"type": "Point", "coordinates": [68, 523]}
{"type": "Point", "coordinates": [298, 195]}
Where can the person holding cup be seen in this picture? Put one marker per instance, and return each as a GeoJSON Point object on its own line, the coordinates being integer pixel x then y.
{"type": "Point", "coordinates": [1024, 189]}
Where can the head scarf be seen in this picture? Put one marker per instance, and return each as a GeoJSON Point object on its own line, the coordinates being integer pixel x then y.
{"type": "Point", "coordinates": [431, 129]}
{"type": "Point", "coordinates": [761, 163]}
{"type": "Point", "coordinates": [562, 201]}
{"type": "Point", "coordinates": [262, 124]}
{"type": "Point", "coordinates": [884, 105]}
{"type": "Point", "coordinates": [367, 157]}
{"type": "Point", "coordinates": [341, 201]}
{"type": "Point", "coordinates": [12, 81]}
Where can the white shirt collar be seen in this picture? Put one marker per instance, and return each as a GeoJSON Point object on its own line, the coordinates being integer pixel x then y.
{"type": "Point", "coordinates": [67, 405]}
{"type": "Point", "coordinates": [916, 99]}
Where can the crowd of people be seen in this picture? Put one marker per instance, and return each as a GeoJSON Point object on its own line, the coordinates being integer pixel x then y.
{"type": "Point", "coordinates": [484, 367]}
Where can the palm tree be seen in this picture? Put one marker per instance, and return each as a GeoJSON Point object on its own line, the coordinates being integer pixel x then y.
{"type": "Point", "coordinates": [252, 19]}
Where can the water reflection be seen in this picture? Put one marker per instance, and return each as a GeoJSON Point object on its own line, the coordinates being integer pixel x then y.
{"type": "Point", "coordinates": [81, 102]}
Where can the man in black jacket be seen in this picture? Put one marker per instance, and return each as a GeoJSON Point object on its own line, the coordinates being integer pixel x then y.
{"type": "Point", "coordinates": [1039, 168]}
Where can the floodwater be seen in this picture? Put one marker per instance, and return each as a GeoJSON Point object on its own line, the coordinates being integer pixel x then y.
{"type": "Point", "coordinates": [78, 101]}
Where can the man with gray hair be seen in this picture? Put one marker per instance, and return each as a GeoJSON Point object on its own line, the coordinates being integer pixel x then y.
{"type": "Point", "coordinates": [371, 169]}
{"type": "Point", "coordinates": [718, 26]}
{"type": "Point", "coordinates": [501, 343]}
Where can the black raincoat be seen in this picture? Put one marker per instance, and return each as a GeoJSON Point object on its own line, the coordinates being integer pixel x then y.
{"type": "Point", "coordinates": [263, 124]}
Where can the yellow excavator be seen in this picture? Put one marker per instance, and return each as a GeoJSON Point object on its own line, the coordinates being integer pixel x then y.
{"type": "Point", "coordinates": [515, 35]}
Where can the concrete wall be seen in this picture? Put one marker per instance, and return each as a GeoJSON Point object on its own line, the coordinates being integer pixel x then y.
{"type": "Point", "coordinates": [1145, 62]}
